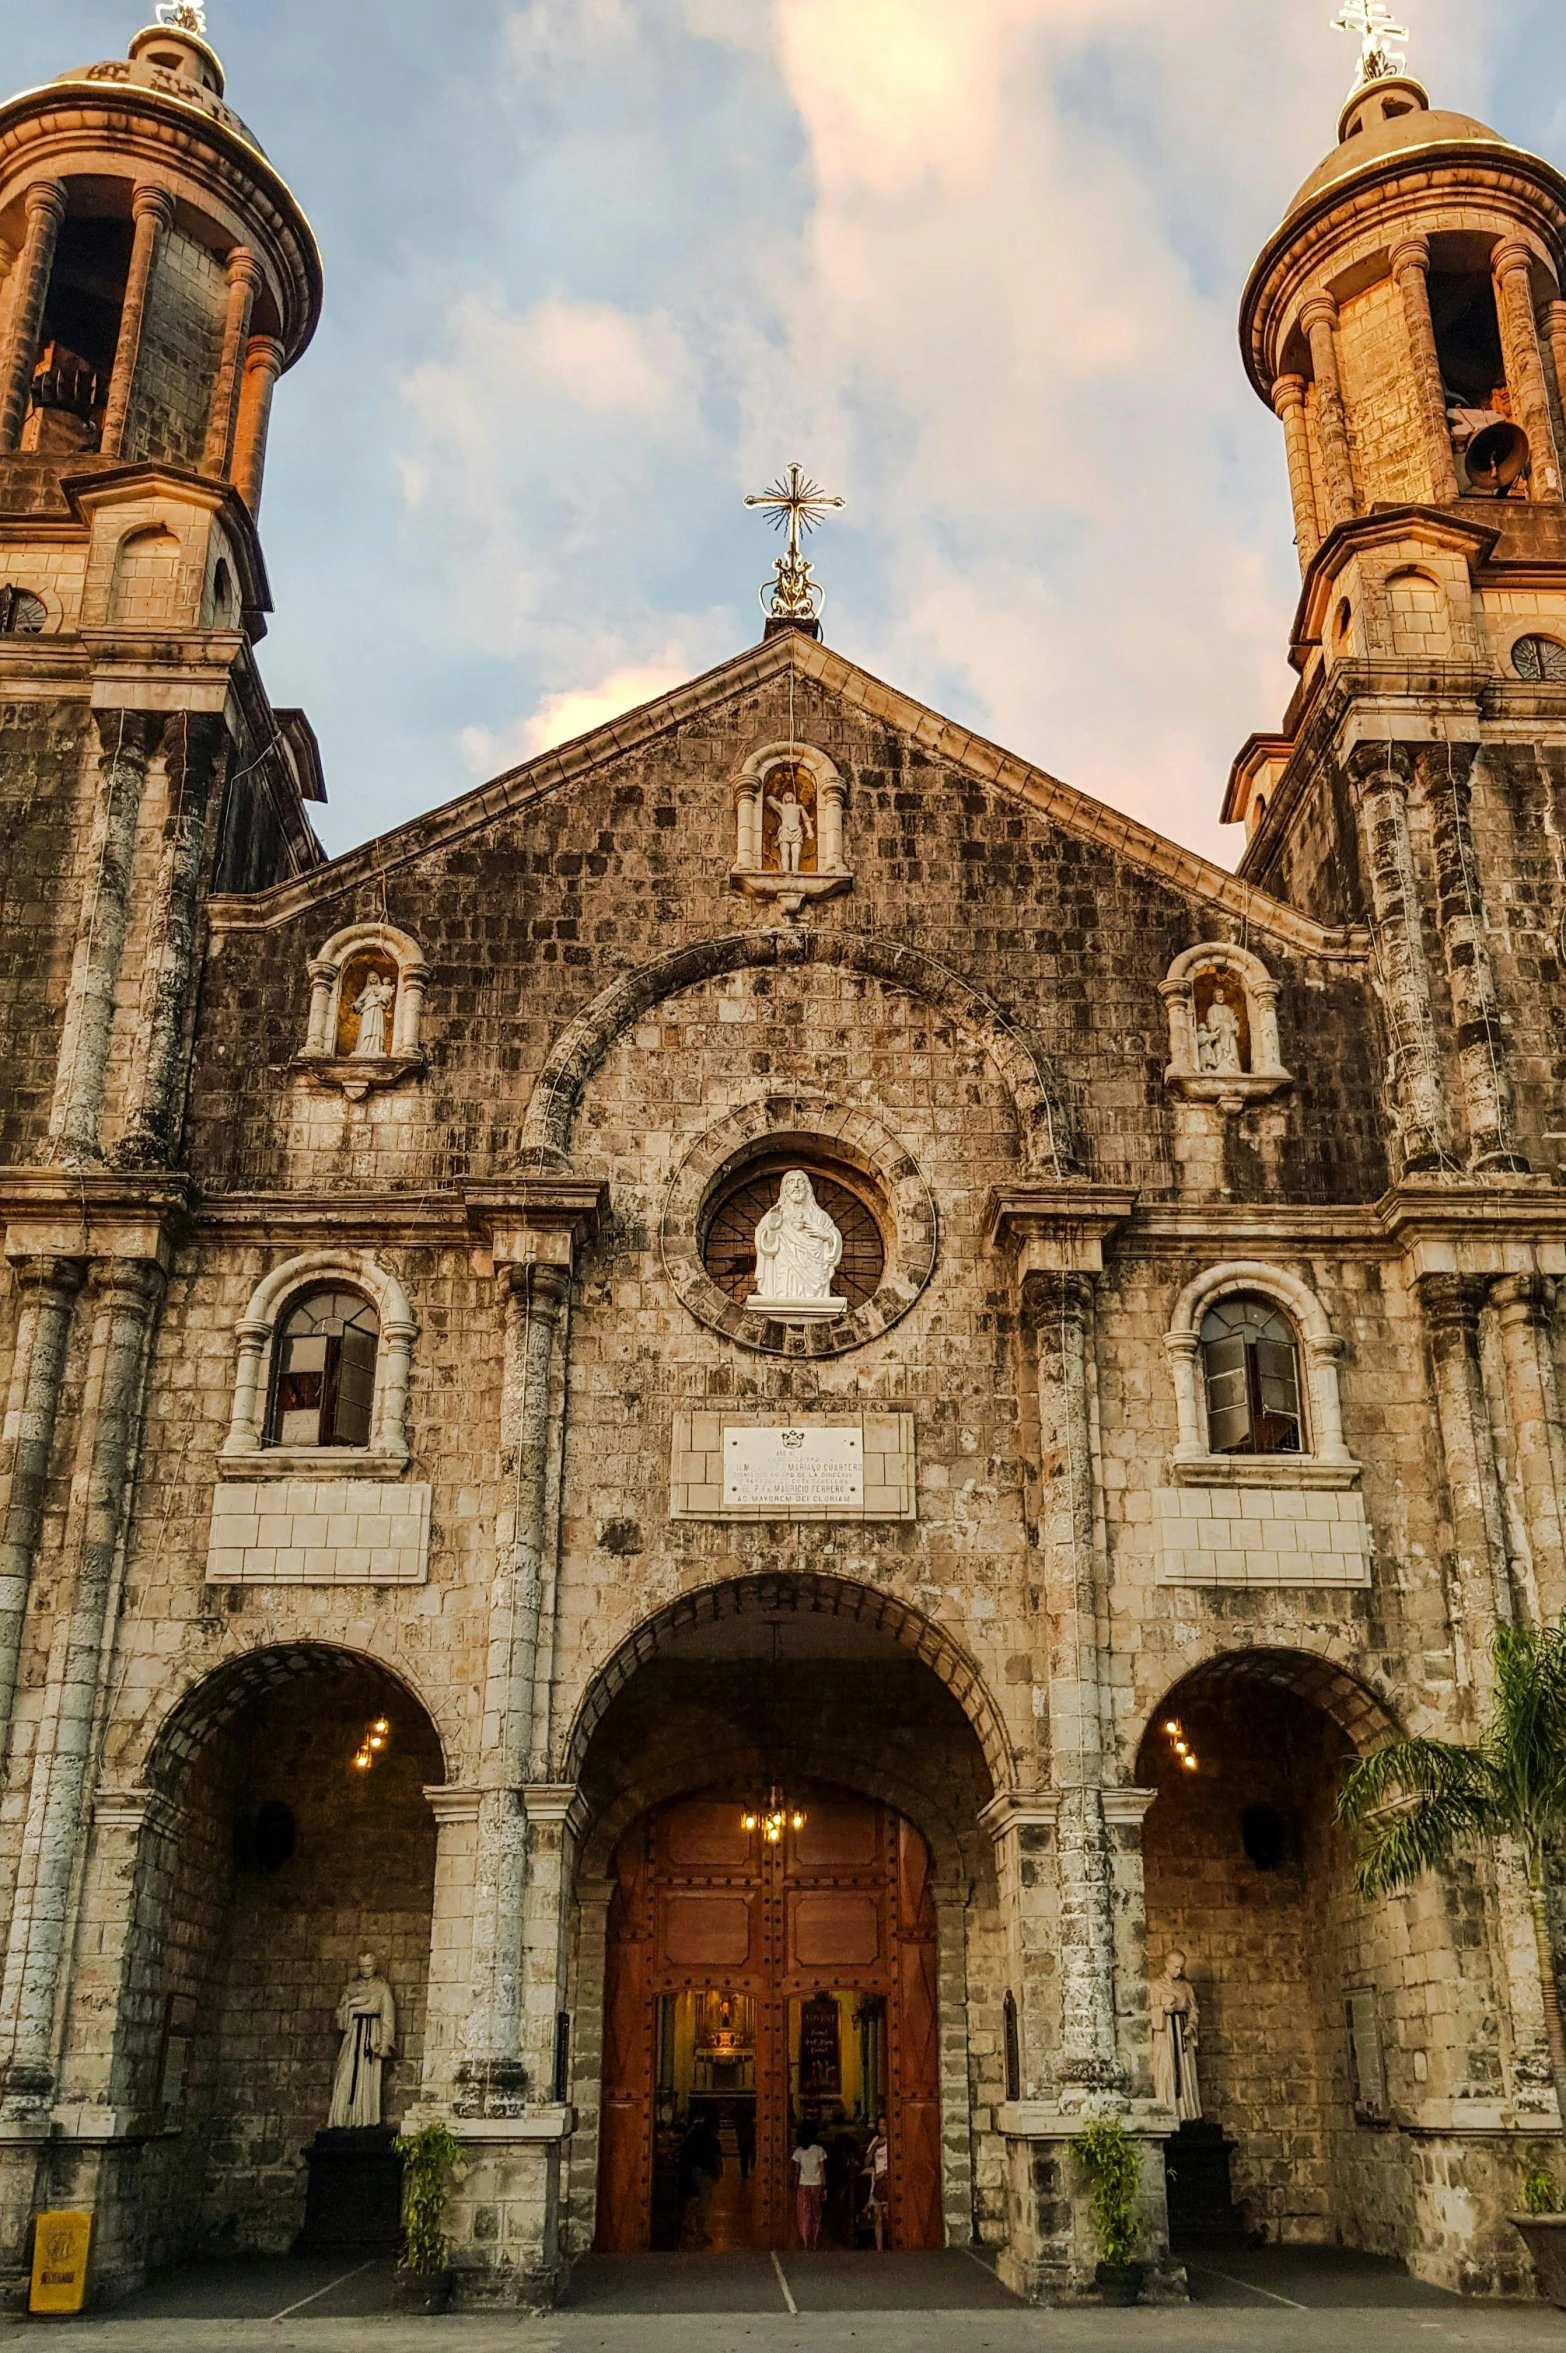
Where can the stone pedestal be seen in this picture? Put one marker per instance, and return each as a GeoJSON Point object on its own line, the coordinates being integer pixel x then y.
{"type": "Point", "coordinates": [354, 2198]}
{"type": "Point", "coordinates": [1051, 2251]}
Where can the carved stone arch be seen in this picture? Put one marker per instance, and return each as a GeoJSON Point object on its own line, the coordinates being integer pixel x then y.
{"type": "Point", "coordinates": [830, 1597]}
{"type": "Point", "coordinates": [1320, 1346]}
{"type": "Point", "coordinates": [206, 1705]}
{"type": "Point", "coordinates": [257, 1331]}
{"type": "Point", "coordinates": [558, 1090]}
{"type": "Point", "coordinates": [328, 970]}
{"type": "Point", "coordinates": [1266, 1073]}
{"type": "Point", "coordinates": [1366, 1717]}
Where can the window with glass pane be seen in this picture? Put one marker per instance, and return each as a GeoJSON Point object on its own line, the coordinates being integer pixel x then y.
{"type": "Point", "coordinates": [1541, 660]}
{"type": "Point", "coordinates": [324, 1384]}
{"type": "Point", "coordinates": [1253, 1380]}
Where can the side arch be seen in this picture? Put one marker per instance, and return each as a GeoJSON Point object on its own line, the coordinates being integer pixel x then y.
{"type": "Point", "coordinates": [827, 1597]}
{"type": "Point", "coordinates": [558, 1090]}
{"type": "Point", "coordinates": [1364, 1715]}
{"type": "Point", "coordinates": [219, 1695]}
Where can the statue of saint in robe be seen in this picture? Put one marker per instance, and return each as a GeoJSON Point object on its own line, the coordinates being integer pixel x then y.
{"type": "Point", "coordinates": [1218, 1038]}
{"type": "Point", "coordinates": [797, 1250]}
{"type": "Point", "coordinates": [1176, 2020]}
{"type": "Point", "coordinates": [367, 2020]}
{"type": "Point", "coordinates": [372, 1006]}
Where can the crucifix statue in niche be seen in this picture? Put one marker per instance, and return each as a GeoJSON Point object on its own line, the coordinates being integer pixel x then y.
{"type": "Point", "coordinates": [788, 834]}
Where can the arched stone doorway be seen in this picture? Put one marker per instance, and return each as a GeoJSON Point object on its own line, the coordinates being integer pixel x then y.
{"type": "Point", "coordinates": [1300, 1983]}
{"type": "Point", "coordinates": [885, 1904]}
{"type": "Point", "coordinates": [754, 1990]}
{"type": "Point", "coordinates": [269, 1861]}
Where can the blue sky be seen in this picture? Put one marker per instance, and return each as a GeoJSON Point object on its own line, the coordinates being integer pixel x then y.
{"type": "Point", "coordinates": [595, 268]}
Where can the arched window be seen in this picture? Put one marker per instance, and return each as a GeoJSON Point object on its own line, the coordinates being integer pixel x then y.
{"type": "Point", "coordinates": [1541, 660]}
{"type": "Point", "coordinates": [1250, 1361]}
{"type": "Point", "coordinates": [323, 1376]}
{"type": "Point", "coordinates": [21, 613]}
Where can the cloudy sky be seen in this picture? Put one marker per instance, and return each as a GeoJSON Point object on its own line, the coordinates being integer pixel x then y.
{"type": "Point", "coordinates": [595, 268]}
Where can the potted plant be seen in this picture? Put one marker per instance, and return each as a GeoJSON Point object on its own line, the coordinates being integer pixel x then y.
{"type": "Point", "coordinates": [429, 2158]}
{"type": "Point", "coordinates": [1543, 2226]}
{"type": "Point", "coordinates": [1109, 2154]}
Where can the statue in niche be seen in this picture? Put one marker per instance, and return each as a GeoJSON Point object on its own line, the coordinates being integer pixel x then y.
{"type": "Point", "coordinates": [373, 1006]}
{"type": "Point", "coordinates": [367, 2021]}
{"type": "Point", "coordinates": [1175, 2018]}
{"type": "Point", "coordinates": [797, 1250]}
{"type": "Point", "coordinates": [796, 826]}
{"type": "Point", "coordinates": [1218, 1037]}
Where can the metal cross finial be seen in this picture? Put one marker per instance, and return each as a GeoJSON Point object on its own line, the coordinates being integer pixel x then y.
{"type": "Point", "coordinates": [1375, 25]}
{"type": "Point", "coordinates": [185, 16]}
{"type": "Point", "coordinates": [794, 500]}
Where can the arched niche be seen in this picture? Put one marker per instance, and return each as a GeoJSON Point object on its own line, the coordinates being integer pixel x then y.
{"type": "Point", "coordinates": [367, 989]}
{"type": "Point", "coordinates": [789, 819]}
{"type": "Point", "coordinates": [1222, 1007]}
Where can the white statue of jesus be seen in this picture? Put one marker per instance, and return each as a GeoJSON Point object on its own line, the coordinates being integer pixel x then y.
{"type": "Point", "coordinates": [1176, 2021]}
{"type": "Point", "coordinates": [796, 826]}
{"type": "Point", "coordinates": [367, 2019]}
{"type": "Point", "coordinates": [797, 1250]}
{"type": "Point", "coordinates": [372, 1006]}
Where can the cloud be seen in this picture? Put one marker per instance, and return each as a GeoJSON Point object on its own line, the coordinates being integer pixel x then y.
{"type": "Point", "coordinates": [560, 718]}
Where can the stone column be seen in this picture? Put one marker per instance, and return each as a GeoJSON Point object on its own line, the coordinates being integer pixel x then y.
{"type": "Point", "coordinates": [1288, 399]}
{"type": "Point", "coordinates": [46, 202]}
{"type": "Point", "coordinates": [1319, 319]}
{"type": "Point", "coordinates": [829, 847]}
{"type": "Point", "coordinates": [48, 1289]}
{"type": "Point", "coordinates": [156, 1092]}
{"type": "Point", "coordinates": [128, 741]}
{"type": "Point", "coordinates": [1381, 774]}
{"type": "Point", "coordinates": [263, 366]}
{"type": "Point", "coordinates": [1525, 1318]}
{"type": "Point", "coordinates": [1445, 773]}
{"type": "Point", "coordinates": [244, 284]}
{"type": "Point", "coordinates": [492, 2072]}
{"type": "Point", "coordinates": [1057, 1306]}
{"type": "Point", "coordinates": [1512, 263]}
{"type": "Point", "coordinates": [1479, 1591]}
{"type": "Point", "coordinates": [1552, 320]}
{"type": "Point", "coordinates": [951, 1961]}
{"type": "Point", "coordinates": [747, 851]}
{"type": "Point", "coordinates": [127, 1293]}
{"type": "Point", "coordinates": [456, 1812]}
{"type": "Point", "coordinates": [1411, 270]}
{"type": "Point", "coordinates": [152, 210]}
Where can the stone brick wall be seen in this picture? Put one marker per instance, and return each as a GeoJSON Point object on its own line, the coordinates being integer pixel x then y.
{"type": "Point", "coordinates": [181, 343]}
{"type": "Point", "coordinates": [42, 751]}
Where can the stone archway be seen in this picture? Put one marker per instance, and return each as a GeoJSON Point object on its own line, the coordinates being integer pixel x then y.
{"type": "Point", "coordinates": [267, 1862]}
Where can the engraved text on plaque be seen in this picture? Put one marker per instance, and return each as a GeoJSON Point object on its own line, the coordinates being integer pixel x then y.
{"type": "Point", "coordinates": [784, 1467]}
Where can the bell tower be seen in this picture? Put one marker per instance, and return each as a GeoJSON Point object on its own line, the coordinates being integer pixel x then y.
{"type": "Point", "coordinates": [156, 279]}
{"type": "Point", "coordinates": [1407, 326]}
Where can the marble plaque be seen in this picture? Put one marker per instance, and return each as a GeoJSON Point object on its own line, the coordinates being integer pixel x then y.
{"type": "Point", "coordinates": [787, 1467]}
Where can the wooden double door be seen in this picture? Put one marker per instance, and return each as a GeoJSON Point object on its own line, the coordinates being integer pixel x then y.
{"type": "Point", "coordinates": [752, 1989]}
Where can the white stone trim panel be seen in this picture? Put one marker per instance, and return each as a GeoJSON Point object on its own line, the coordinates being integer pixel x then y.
{"type": "Point", "coordinates": [1261, 1536]}
{"type": "Point", "coordinates": [320, 1532]}
{"type": "Point", "coordinates": [697, 1488]}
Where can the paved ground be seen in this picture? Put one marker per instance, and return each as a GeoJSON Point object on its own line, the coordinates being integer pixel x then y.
{"type": "Point", "coordinates": [1275, 2302]}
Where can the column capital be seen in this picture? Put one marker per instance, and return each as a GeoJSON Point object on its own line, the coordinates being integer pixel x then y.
{"type": "Point", "coordinates": [1053, 1292]}
{"type": "Point", "coordinates": [1452, 1302]}
{"type": "Point", "coordinates": [132, 1284]}
{"type": "Point", "coordinates": [1554, 311]}
{"type": "Point", "coordinates": [541, 1286]}
{"type": "Point", "coordinates": [1410, 253]}
{"type": "Point", "coordinates": [1288, 392]}
{"type": "Point", "coordinates": [1523, 1299]}
{"type": "Point", "coordinates": [245, 270]}
{"type": "Point", "coordinates": [1318, 310]}
{"type": "Point", "coordinates": [37, 1277]}
{"type": "Point", "coordinates": [1387, 767]}
{"type": "Point", "coordinates": [138, 733]}
{"type": "Point", "coordinates": [265, 352]}
{"type": "Point", "coordinates": [1513, 253]}
{"type": "Point", "coordinates": [47, 198]}
{"type": "Point", "coordinates": [153, 203]}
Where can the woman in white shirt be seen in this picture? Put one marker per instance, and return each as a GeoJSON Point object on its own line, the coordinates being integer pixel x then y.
{"type": "Point", "coordinates": [809, 2163]}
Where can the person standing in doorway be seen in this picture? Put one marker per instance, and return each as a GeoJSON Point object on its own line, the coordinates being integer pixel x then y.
{"type": "Point", "coordinates": [810, 2161]}
{"type": "Point", "coordinates": [701, 2168]}
{"type": "Point", "coordinates": [878, 2164]}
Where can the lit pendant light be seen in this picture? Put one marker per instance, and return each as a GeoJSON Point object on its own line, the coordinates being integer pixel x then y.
{"type": "Point", "coordinates": [377, 1736]}
{"type": "Point", "coordinates": [777, 1815]}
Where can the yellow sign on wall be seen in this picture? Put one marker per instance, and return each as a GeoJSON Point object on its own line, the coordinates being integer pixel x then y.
{"type": "Point", "coordinates": [60, 2252]}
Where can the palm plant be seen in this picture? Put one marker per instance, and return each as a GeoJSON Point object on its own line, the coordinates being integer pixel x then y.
{"type": "Point", "coordinates": [1435, 1797]}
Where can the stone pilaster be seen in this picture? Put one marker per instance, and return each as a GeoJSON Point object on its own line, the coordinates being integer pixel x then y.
{"type": "Point", "coordinates": [45, 210]}
{"type": "Point", "coordinates": [264, 357]}
{"type": "Point", "coordinates": [126, 1296]}
{"type": "Point", "coordinates": [1512, 263]}
{"type": "Point", "coordinates": [1524, 1314]}
{"type": "Point", "coordinates": [244, 284]}
{"type": "Point", "coordinates": [1319, 319]}
{"type": "Point", "coordinates": [156, 1099]}
{"type": "Point", "coordinates": [1411, 270]}
{"type": "Point", "coordinates": [1445, 773]}
{"type": "Point", "coordinates": [48, 1288]}
{"type": "Point", "coordinates": [1479, 1591]}
{"type": "Point", "coordinates": [1381, 775]}
{"type": "Point", "coordinates": [152, 210]}
{"type": "Point", "coordinates": [128, 740]}
{"type": "Point", "coordinates": [492, 2071]}
{"type": "Point", "coordinates": [1288, 399]}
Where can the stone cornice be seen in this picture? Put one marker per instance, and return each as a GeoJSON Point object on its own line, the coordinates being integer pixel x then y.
{"type": "Point", "coordinates": [1182, 870]}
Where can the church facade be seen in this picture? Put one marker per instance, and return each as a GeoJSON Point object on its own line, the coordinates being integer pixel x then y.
{"type": "Point", "coordinates": [515, 1610]}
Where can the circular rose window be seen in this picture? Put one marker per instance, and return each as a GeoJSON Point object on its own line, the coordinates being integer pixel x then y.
{"type": "Point", "coordinates": [862, 1179]}
{"type": "Point", "coordinates": [728, 1250]}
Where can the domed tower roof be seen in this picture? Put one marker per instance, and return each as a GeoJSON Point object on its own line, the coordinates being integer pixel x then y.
{"type": "Point", "coordinates": [180, 66]}
{"type": "Point", "coordinates": [1391, 118]}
